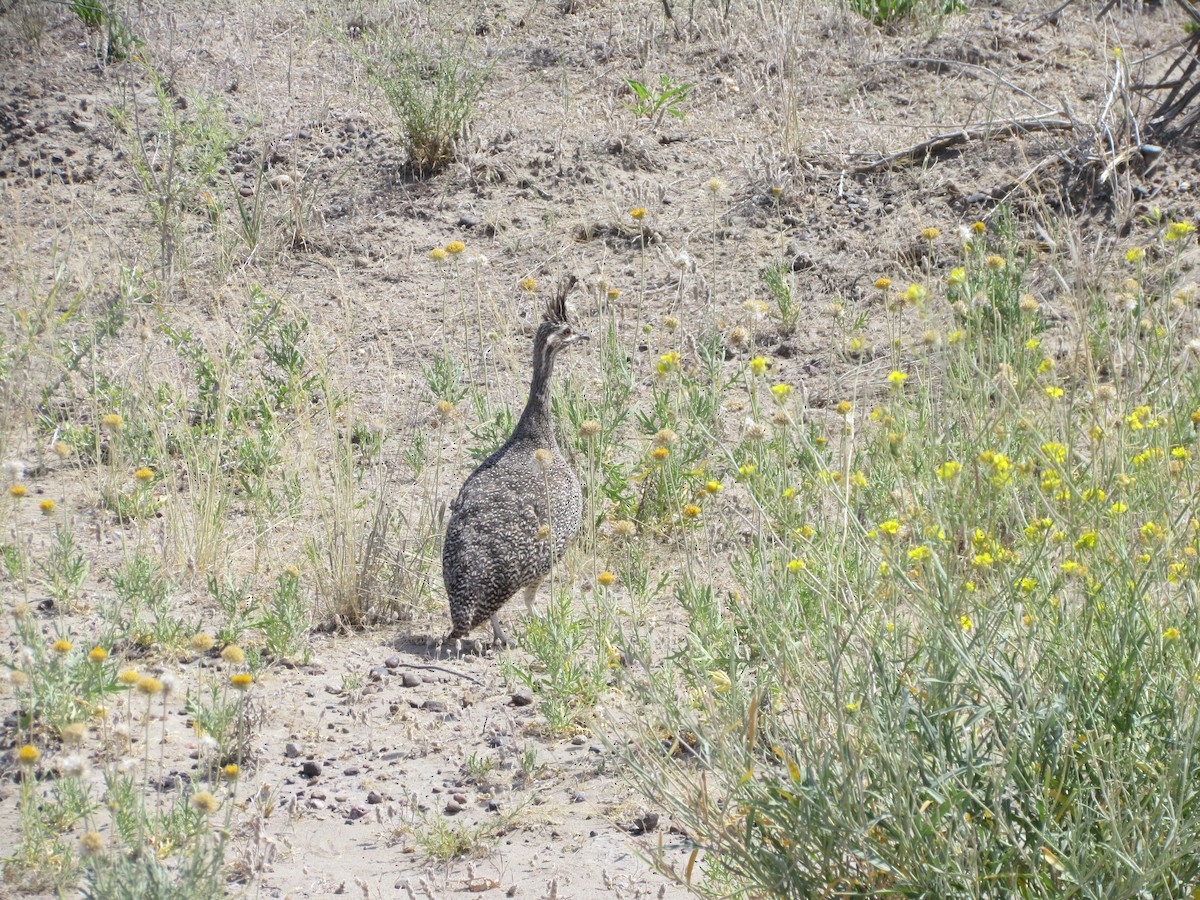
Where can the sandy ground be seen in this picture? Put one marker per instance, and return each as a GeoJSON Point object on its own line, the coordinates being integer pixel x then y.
{"type": "Point", "coordinates": [358, 751]}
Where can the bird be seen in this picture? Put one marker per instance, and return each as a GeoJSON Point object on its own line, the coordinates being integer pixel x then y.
{"type": "Point", "coordinates": [518, 511]}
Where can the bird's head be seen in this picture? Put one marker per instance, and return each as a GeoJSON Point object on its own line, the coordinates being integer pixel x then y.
{"type": "Point", "coordinates": [556, 330]}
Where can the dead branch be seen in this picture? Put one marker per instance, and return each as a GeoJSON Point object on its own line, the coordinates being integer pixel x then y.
{"type": "Point", "coordinates": [921, 151]}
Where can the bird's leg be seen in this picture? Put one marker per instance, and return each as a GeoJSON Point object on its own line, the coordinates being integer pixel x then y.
{"type": "Point", "coordinates": [498, 632]}
{"type": "Point", "coordinates": [529, 593]}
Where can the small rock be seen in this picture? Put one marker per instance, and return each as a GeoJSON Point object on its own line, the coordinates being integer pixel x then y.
{"type": "Point", "coordinates": [310, 769]}
{"type": "Point", "coordinates": [374, 798]}
{"type": "Point", "coordinates": [522, 697]}
{"type": "Point", "coordinates": [460, 798]}
{"type": "Point", "coordinates": [412, 679]}
{"type": "Point", "coordinates": [467, 222]}
{"type": "Point", "coordinates": [356, 812]}
{"type": "Point", "coordinates": [292, 750]}
{"type": "Point", "coordinates": [392, 662]}
{"type": "Point", "coordinates": [282, 182]}
{"type": "Point", "coordinates": [578, 797]}
{"type": "Point", "coordinates": [434, 706]}
{"type": "Point", "coordinates": [378, 673]}
{"type": "Point", "coordinates": [314, 803]}
{"type": "Point", "coordinates": [578, 740]}
{"type": "Point", "coordinates": [452, 807]}
{"type": "Point", "coordinates": [595, 748]}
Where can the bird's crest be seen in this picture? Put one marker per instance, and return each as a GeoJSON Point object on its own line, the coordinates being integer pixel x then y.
{"type": "Point", "coordinates": [556, 306]}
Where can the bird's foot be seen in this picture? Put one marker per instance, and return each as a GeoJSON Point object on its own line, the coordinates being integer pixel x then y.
{"type": "Point", "coordinates": [501, 639]}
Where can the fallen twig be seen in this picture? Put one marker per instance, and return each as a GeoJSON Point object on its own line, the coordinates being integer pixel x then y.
{"type": "Point", "coordinates": [920, 151]}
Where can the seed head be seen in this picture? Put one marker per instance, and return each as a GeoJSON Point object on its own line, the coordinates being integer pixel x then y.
{"type": "Point", "coordinates": [543, 531]}
{"type": "Point", "coordinates": [1028, 304]}
{"type": "Point", "coordinates": [931, 234]}
{"type": "Point", "coordinates": [996, 263]}
{"type": "Point", "coordinates": [437, 254]}
{"type": "Point", "coordinates": [233, 654]}
{"type": "Point", "coordinates": [112, 421]}
{"type": "Point", "coordinates": [129, 677]}
{"type": "Point", "coordinates": [527, 284]}
{"type": "Point", "coordinates": [756, 431]}
{"type": "Point", "coordinates": [91, 843]}
{"type": "Point", "coordinates": [589, 429]}
{"type": "Point", "coordinates": [149, 685]}
{"type": "Point", "coordinates": [202, 642]}
{"type": "Point", "coordinates": [624, 528]}
{"type": "Point", "coordinates": [73, 734]}
{"type": "Point", "coordinates": [665, 437]}
{"type": "Point", "coordinates": [205, 802]}
{"type": "Point", "coordinates": [72, 765]}
{"type": "Point", "coordinates": [714, 185]}
{"type": "Point", "coordinates": [542, 458]}
{"type": "Point", "coordinates": [739, 336]}
{"type": "Point", "coordinates": [444, 409]}
{"type": "Point", "coordinates": [61, 449]}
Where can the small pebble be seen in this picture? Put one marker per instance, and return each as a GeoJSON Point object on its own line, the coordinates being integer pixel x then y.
{"type": "Point", "coordinates": [392, 662]}
{"type": "Point", "coordinates": [434, 706]}
{"type": "Point", "coordinates": [374, 798]}
{"type": "Point", "coordinates": [310, 769]}
{"type": "Point", "coordinates": [452, 807]}
{"type": "Point", "coordinates": [578, 740]}
{"type": "Point", "coordinates": [412, 679]}
{"type": "Point", "coordinates": [522, 697]}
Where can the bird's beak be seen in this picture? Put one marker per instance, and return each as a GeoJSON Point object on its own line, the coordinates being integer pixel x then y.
{"type": "Point", "coordinates": [576, 337]}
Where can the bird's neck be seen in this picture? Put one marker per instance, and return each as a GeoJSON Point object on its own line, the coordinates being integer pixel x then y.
{"type": "Point", "coordinates": [536, 422]}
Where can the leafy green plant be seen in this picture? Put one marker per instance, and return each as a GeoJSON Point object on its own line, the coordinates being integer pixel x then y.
{"type": "Point", "coordinates": [285, 620]}
{"type": "Point", "coordinates": [432, 92]}
{"type": "Point", "coordinates": [653, 103]}
{"type": "Point", "coordinates": [882, 12]}
{"type": "Point", "coordinates": [65, 569]}
{"type": "Point", "coordinates": [567, 679]}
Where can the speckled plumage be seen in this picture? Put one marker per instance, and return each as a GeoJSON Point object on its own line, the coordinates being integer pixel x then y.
{"type": "Point", "coordinates": [515, 514]}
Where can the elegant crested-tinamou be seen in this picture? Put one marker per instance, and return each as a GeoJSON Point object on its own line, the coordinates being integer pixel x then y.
{"type": "Point", "coordinates": [517, 512]}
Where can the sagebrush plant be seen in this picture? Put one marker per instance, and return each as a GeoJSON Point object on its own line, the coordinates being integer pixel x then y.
{"type": "Point", "coordinates": [433, 89]}
{"type": "Point", "coordinates": [958, 659]}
